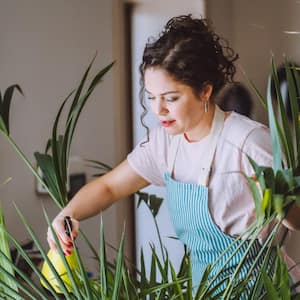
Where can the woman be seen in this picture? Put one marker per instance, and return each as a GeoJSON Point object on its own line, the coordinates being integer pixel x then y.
{"type": "Point", "coordinates": [199, 152]}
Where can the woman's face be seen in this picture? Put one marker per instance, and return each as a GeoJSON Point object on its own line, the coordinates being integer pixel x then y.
{"type": "Point", "coordinates": [175, 104]}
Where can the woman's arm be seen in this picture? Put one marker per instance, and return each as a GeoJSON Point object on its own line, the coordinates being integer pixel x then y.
{"type": "Point", "coordinates": [104, 191]}
{"type": "Point", "coordinates": [95, 197]}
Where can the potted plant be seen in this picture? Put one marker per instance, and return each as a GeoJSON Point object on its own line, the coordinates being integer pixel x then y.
{"type": "Point", "coordinates": [274, 190]}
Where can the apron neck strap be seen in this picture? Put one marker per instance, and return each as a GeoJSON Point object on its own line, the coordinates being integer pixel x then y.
{"type": "Point", "coordinates": [204, 173]}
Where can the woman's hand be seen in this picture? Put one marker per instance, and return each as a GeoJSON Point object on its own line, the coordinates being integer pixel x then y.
{"type": "Point", "coordinates": [93, 198]}
{"type": "Point", "coordinates": [66, 241]}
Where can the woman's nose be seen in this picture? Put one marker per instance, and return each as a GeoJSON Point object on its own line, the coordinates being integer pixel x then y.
{"type": "Point", "coordinates": [159, 107]}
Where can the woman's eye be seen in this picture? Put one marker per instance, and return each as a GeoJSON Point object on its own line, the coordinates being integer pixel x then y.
{"type": "Point", "coordinates": [150, 98]}
{"type": "Point", "coordinates": [171, 99]}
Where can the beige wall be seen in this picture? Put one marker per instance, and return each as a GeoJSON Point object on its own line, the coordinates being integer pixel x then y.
{"type": "Point", "coordinates": [45, 48]}
{"type": "Point", "coordinates": [255, 29]}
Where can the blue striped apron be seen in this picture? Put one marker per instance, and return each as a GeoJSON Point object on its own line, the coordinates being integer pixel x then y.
{"type": "Point", "coordinates": [193, 224]}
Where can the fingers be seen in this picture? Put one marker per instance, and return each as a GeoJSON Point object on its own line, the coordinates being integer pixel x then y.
{"type": "Point", "coordinates": [66, 241]}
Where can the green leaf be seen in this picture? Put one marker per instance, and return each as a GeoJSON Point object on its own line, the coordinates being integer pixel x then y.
{"type": "Point", "coordinates": [152, 202]}
{"type": "Point", "coordinates": [256, 197]}
{"type": "Point", "coordinates": [286, 136]}
{"type": "Point", "coordinates": [5, 107]}
{"type": "Point", "coordinates": [58, 157]}
{"type": "Point", "coordinates": [99, 165]}
{"type": "Point", "coordinates": [76, 109]}
{"type": "Point", "coordinates": [118, 273]}
{"type": "Point", "coordinates": [3, 126]}
{"type": "Point", "coordinates": [43, 253]}
{"type": "Point", "coordinates": [99, 76]}
{"type": "Point", "coordinates": [26, 279]}
{"type": "Point", "coordinates": [278, 201]}
{"type": "Point", "coordinates": [103, 271]}
{"type": "Point", "coordinates": [162, 269]}
{"type": "Point", "coordinates": [282, 180]}
{"type": "Point", "coordinates": [143, 275]}
{"type": "Point", "coordinates": [276, 147]}
{"type": "Point", "coordinates": [153, 268]}
{"type": "Point", "coordinates": [79, 89]}
{"type": "Point", "coordinates": [266, 202]}
{"type": "Point", "coordinates": [271, 291]}
{"type": "Point", "coordinates": [178, 290]}
{"type": "Point", "coordinates": [5, 263]}
{"type": "Point", "coordinates": [295, 112]}
{"type": "Point", "coordinates": [45, 162]}
{"type": "Point", "coordinates": [293, 79]}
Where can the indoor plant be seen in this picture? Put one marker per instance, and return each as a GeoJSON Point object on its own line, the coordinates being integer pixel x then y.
{"type": "Point", "coordinates": [279, 187]}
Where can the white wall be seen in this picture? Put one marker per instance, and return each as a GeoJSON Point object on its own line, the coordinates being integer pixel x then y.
{"type": "Point", "coordinates": [45, 48]}
{"type": "Point", "coordinates": [255, 29]}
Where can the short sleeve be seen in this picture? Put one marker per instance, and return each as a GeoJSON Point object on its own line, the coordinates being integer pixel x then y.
{"type": "Point", "coordinates": [258, 147]}
{"type": "Point", "coordinates": [148, 158]}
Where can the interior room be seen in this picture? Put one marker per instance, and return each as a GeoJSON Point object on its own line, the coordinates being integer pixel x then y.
{"type": "Point", "coordinates": [46, 47]}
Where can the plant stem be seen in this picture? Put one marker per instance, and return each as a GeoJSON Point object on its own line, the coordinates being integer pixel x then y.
{"type": "Point", "coordinates": [160, 240]}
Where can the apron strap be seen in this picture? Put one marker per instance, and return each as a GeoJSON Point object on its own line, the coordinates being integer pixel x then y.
{"type": "Point", "coordinates": [173, 152]}
{"type": "Point", "coordinates": [205, 170]}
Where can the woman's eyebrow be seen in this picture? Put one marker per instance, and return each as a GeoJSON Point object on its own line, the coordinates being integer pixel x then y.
{"type": "Point", "coordinates": [165, 93]}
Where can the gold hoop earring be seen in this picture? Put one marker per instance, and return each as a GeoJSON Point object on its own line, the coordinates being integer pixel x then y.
{"type": "Point", "coordinates": [206, 106]}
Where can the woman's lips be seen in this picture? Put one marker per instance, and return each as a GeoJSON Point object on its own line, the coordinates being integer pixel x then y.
{"type": "Point", "coordinates": [167, 123]}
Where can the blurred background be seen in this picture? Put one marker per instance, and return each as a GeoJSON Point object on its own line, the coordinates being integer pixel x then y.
{"type": "Point", "coordinates": [45, 48]}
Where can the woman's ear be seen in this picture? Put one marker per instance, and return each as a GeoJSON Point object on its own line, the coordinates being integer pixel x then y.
{"type": "Point", "coordinates": [206, 92]}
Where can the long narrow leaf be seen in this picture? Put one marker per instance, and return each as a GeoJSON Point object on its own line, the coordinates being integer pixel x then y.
{"type": "Point", "coordinates": [286, 138]}
{"type": "Point", "coordinates": [57, 155]}
{"type": "Point", "coordinates": [177, 286]}
{"type": "Point", "coordinates": [276, 146]}
{"type": "Point", "coordinates": [5, 108]}
{"type": "Point", "coordinates": [5, 250]}
{"type": "Point", "coordinates": [294, 101]}
{"type": "Point", "coordinates": [99, 76]}
{"type": "Point", "coordinates": [79, 106]}
{"type": "Point", "coordinates": [27, 259]}
{"type": "Point", "coordinates": [80, 88]}
{"type": "Point", "coordinates": [103, 271]}
{"type": "Point", "coordinates": [12, 294]}
{"type": "Point", "coordinates": [24, 277]}
{"type": "Point", "coordinates": [118, 273]}
{"type": "Point", "coordinates": [45, 163]}
{"type": "Point", "coordinates": [3, 127]}
{"type": "Point", "coordinates": [43, 253]}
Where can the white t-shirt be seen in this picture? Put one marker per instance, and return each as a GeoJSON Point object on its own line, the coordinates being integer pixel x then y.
{"type": "Point", "coordinates": [230, 200]}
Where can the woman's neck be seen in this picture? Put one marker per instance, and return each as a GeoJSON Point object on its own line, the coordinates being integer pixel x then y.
{"type": "Point", "coordinates": [203, 128]}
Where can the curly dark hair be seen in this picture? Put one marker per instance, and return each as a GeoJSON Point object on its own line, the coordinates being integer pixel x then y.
{"type": "Point", "coordinates": [192, 53]}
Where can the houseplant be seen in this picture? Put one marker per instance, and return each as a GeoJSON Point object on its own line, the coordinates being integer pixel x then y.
{"type": "Point", "coordinates": [53, 164]}
{"type": "Point", "coordinates": [279, 187]}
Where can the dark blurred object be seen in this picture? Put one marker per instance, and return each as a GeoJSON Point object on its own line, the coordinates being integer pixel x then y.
{"type": "Point", "coordinates": [77, 181]}
{"type": "Point", "coordinates": [282, 78]}
{"type": "Point", "coordinates": [33, 254]}
{"type": "Point", "coordinates": [236, 98]}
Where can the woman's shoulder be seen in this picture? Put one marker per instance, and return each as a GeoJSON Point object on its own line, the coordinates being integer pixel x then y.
{"type": "Point", "coordinates": [239, 129]}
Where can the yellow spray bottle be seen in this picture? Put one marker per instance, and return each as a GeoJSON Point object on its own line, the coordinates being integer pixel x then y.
{"type": "Point", "coordinates": [59, 266]}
